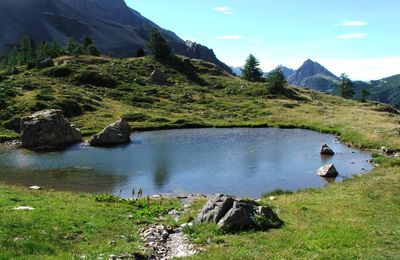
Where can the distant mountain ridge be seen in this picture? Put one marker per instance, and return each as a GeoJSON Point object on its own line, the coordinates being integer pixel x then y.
{"type": "Point", "coordinates": [287, 72]}
{"type": "Point", "coordinates": [115, 28]}
{"type": "Point", "coordinates": [386, 90]}
{"type": "Point", "coordinates": [313, 75]}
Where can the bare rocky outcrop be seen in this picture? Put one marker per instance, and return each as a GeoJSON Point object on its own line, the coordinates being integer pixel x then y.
{"type": "Point", "coordinates": [114, 134]}
{"type": "Point", "coordinates": [328, 171]}
{"type": "Point", "coordinates": [235, 215]}
{"type": "Point", "coordinates": [45, 63]}
{"type": "Point", "coordinates": [159, 78]}
{"type": "Point", "coordinates": [48, 129]}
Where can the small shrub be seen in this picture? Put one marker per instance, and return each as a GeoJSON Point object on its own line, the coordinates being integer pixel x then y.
{"type": "Point", "coordinates": [39, 105]}
{"type": "Point", "coordinates": [29, 87]}
{"type": "Point", "coordinates": [44, 97]}
{"type": "Point", "coordinates": [69, 107]}
{"type": "Point", "coordinates": [276, 192]}
{"type": "Point", "coordinates": [88, 107]}
{"type": "Point", "coordinates": [159, 120]}
{"type": "Point", "coordinates": [107, 198]}
{"type": "Point", "coordinates": [136, 117]}
{"type": "Point", "coordinates": [13, 124]}
{"type": "Point", "coordinates": [96, 79]}
{"type": "Point", "coordinates": [59, 72]}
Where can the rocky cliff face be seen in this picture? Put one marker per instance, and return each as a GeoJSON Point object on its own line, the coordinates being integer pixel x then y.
{"type": "Point", "coordinates": [313, 75]}
{"type": "Point", "coordinates": [115, 28]}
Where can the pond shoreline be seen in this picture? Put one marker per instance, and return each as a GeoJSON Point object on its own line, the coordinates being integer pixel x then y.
{"type": "Point", "coordinates": [202, 126]}
{"type": "Point", "coordinates": [189, 161]}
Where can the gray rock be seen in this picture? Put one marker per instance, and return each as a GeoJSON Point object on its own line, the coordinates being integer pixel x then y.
{"type": "Point", "coordinates": [326, 150]}
{"type": "Point", "coordinates": [328, 171]}
{"type": "Point", "coordinates": [114, 134]}
{"type": "Point", "coordinates": [239, 217]}
{"type": "Point", "coordinates": [388, 151]}
{"type": "Point", "coordinates": [215, 209]}
{"type": "Point", "coordinates": [44, 63]}
{"type": "Point", "coordinates": [48, 129]}
{"type": "Point", "coordinates": [159, 78]}
{"type": "Point", "coordinates": [235, 215]}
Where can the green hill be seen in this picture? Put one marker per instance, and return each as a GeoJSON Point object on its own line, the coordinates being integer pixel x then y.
{"type": "Point", "coordinates": [95, 91]}
{"type": "Point", "coordinates": [386, 90]}
{"type": "Point", "coordinates": [357, 218]}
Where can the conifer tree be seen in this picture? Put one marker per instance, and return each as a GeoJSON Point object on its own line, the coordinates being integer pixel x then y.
{"type": "Point", "coordinates": [251, 71]}
{"type": "Point", "coordinates": [159, 46]}
{"type": "Point", "coordinates": [276, 80]}
{"type": "Point", "coordinates": [346, 87]}
{"type": "Point", "coordinates": [140, 53]}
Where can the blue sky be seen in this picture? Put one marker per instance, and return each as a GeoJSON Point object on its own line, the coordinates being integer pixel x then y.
{"type": "Point", "coordinates": [360, 38]}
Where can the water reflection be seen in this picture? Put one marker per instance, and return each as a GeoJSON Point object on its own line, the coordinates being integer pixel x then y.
{"type": "Point", "coordinates": [244, 162]}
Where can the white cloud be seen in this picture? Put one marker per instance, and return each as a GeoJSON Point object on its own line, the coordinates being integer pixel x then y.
{"type": "Point", "coordinates": [230, 37]}
{"type": "Point", "coordinates": [351, 36]}
{"type": "Point", "coordinates": [352, 23]}
{"type": "Point", "coordinates": [224, 10]}
{"type": "Point", "coordinates": [364, 69]}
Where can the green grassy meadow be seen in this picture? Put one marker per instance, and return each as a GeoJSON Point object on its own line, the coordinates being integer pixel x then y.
{"type": "Point", "coordinates": [355, 219]}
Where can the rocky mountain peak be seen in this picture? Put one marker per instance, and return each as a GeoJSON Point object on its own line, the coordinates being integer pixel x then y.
{"type": "Point", "coordinates": [313, 75]}
{"type": "Point", "coordinates": [114, 26]}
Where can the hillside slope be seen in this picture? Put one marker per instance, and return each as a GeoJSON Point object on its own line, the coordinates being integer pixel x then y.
{"type": "Point", "coordinates": [115, 28]}
{"type": "Point", "coordinates": [386, 90]}
{"type": "Point", "coordinates": [95, 91]}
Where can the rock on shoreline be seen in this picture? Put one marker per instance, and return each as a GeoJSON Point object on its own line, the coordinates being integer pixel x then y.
{"type": "Point", "coordinates": [114, 134]}
{"type": "Point", "coordinates": [48, 129]}
{"type": "Point", "coordinates": [237, 215]}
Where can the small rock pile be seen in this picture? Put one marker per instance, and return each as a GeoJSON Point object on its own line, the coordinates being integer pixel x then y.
{"type": "Point", "coordinates": [166, 242]}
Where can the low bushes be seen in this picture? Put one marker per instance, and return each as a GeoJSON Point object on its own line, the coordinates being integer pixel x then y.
{"type": "Point", "coordinates": [95, 79]}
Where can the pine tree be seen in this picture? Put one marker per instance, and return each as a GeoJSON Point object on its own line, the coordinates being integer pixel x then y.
{"type": "Point", "coordinates": [159, 46]}
{"type": "Point", "coordinates": [48, 49]}
{"type": "Point", "coordinates": [276, 80]}
{"type": "Point", "coordinates": [251, 71]}
{"type": "Point", "coordinates": [140, 53]}
{"type": "Point", "coordinates": [87, 41]}
{"type": "Point", "coordinates": [92, 50]}
{"type": "Point", "coordinates": [71, 46]}
{"type": "Point", "coordinates": [346, 87]}
{"type": "Point", "coordinates": [27, 50]}
{"type": "Point", "coordinates": [14, 58]}
{"type": "Point", "coordinates": [364, 94]}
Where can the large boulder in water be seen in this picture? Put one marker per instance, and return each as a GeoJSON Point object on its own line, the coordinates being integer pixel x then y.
{"type": "Point", "coordinates": [328, 171]}
{"type": "Point", "coordinates": [48, 129]}
{"type": "Point", "coordinates": [114, 134]}
{"type": "Point", "coordinates": [235, 215]}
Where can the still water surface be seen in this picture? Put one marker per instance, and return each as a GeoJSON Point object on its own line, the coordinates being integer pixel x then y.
{"type": "Point", "coordinates": [243, 162]}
